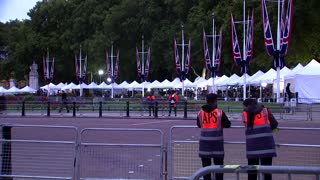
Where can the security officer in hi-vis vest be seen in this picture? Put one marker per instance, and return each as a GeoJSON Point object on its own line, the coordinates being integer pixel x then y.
{"type": "Point", "coordinates": [212, 120]}
{"type": "Point", "coordinates": [260, 145]}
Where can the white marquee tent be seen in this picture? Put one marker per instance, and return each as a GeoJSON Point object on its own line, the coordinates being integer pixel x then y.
{"type": "Point", "coordinates": [306, 81]}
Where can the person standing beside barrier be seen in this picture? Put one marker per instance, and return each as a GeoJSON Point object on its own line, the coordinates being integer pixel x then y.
{"type": "Point", "coordinates": [212, 120]}
{"type": "Point", "coordinates": [260, 145]}
{"type": "Point", "coordinates": [64, 102]}
{"type": "Point", "coordinates": [151, 100]}
{"type": "Point", "coordinates": [173, 99]}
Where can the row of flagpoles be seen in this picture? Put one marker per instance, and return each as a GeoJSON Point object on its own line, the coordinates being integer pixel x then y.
{"type": "Point", "coordinates": [182, 52]}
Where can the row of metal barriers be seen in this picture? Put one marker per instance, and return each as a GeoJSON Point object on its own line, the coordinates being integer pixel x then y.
{"type": "Point", "coordinates": [66, 152]}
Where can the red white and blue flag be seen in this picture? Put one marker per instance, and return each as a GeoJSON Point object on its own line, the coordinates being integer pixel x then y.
{"type": "Point", "coordinates": [235, 44]}
{"type": "Point", "coordinates": [187, 63]}
{"type": "Point", "coordinates": [206, 52]}
{"type": "Point", "coordinates": [176, 57]}
{"type": "Point", "coordinates": [286, 29]}
{"type": "Point", "coordinates": [139, 68]}
{"type": "Point", "coordinates": [249, 39]}
{"type": "Point", "coordinates": [147, 66]}
{"type": "Point", "coordinates": [268, 40]}
{"type": "Point", "coordinates": [48, 72]}
{"type": "Point", "coordinates": [80, 75]}
{"type": "Point", "coordinates": [116, 67]}
{"type": "Point", "coordinates": [217, 60]}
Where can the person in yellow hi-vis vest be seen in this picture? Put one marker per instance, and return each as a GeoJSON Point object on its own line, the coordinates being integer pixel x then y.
{"type": "Point", "coordinates": [260, 125]}
{"type": "Point", "coordinates": [212, 120]}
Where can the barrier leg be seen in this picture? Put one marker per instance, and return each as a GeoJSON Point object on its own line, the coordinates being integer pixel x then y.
{"type": "Point", "coordinates": [6, 168]}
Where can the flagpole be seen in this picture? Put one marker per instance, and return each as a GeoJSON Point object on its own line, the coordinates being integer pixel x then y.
{"type": "Point", "coordinates": [182, 60]}
{"type": "Point", "coordinates": [143, 69]}
{"type": "Point", "coordinates": [213, 52]}
{"type": "Point", "coordinates": [244, 51]}
{"type": "Point", "coordinates": [112, 71]}
{"type": "Point", "coordinates": [47, 69]}
{"type": "Point", "coordinates": [278, 50]}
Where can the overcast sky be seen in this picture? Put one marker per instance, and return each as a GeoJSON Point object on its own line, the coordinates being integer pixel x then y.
{"type": "Point", "coordinates": [15, 9]}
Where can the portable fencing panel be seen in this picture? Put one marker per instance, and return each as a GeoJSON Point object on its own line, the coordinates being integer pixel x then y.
{"type": "Point", "coordinates": [38, 152]}
{"type": "Point", "coordinates": [295, 147]}
{"type": "Point", "coordinates": [118, 153]}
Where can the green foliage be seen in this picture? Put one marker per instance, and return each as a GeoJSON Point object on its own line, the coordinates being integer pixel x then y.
{"type": "Point", "coordinates": [62, 26]}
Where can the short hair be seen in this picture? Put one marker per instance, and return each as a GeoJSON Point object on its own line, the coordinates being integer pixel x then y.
{"type": "Point", "coordinates": [250, 102]}
{"type": "Point", "coordinates": [211, 98]}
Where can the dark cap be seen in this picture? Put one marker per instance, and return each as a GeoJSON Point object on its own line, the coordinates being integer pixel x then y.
{"type": "Point", "coordinates": [211, 98]}
{"type": "Point", "coordinates": [250, 102]}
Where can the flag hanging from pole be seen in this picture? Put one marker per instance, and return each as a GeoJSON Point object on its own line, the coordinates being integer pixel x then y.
{"type": "Point", "coordinates": [147, 66]}
{"type": "Point", "coordinates": [268, 40]}
{"type": "Point", "coordinates": [217, 60]}
{"type": "Point", "coordinates": [83, 76]}
{"type": "Point", "coordinates": [108, 63]}
{"type": "Point", "coordinates": [249, 39]}
{"type": "Point", "coordinates": [52, 69]}
{"type": "Point", "coordinates": [187, 63]}
{"type": "Point", "coordinates": [286, 29]}
{"type": "Point", "coordinates": [139, 68]}
{"type": "Point", "coordinates": [206, 52]}
{"type": "Point", "coordinates": [235, 44]}
{"type": "Point", "coordinates": [116, 68]}
{"type": "Point", "coordinates": [176, 57]}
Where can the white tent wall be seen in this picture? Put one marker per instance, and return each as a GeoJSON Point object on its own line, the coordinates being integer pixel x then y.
{"type": "Point", "coordinates": [308, 89]}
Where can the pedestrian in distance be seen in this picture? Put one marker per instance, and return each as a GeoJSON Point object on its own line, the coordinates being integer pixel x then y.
{"type": "Point", "coordinates": [288, 91]}
{"type": "Point", "coordinates": [173, 99]}
{"type": "Point", "coordinates": [260, 145]}
{"type": "Point", "coordinates": [64, 102]}
{"type": "Point", "coordinates": [151, 100]}
{"type": "Point", "coordinates": [212, 120]}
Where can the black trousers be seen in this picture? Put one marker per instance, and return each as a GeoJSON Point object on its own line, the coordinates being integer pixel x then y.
{"type": "Point", "coordinates": [174, 106]}
{"type": "Point", "coordinates": [64, 104]}
{"type": "Point", "coordinates": [208, 162]}
{"type": "Point", "coordinates": [267, 161]}
{"type": "Point", "coordinates": [151, 108]}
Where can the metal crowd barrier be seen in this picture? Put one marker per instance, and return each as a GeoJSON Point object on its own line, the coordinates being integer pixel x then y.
{"type": "Point", "coordinates": [106, 154]}
{"type": "Point", "coordinates": [183, 151]}
{"type": "Point", "coordinates": [288, 171]}
{"type": "Point", "coordinates": [28, 154]}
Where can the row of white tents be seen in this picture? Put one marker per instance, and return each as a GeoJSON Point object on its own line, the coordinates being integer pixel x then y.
{"type": "Point", "coordinates": [303, 79]}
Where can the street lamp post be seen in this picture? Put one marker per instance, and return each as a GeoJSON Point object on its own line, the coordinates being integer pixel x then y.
{"type": "Point", "coordinates": [100, 72]}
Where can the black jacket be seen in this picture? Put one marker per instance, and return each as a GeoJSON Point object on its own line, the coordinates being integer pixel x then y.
{"type": "Point", "coordinates": [225, 122]}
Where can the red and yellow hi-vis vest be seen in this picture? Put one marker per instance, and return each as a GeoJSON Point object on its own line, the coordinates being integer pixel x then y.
{"type": "Point", "coordinates": [259, 139]}
{"type": "Point", "coordinates": [211, 138]}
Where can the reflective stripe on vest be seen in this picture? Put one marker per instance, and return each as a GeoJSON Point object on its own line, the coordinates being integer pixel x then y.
{"type": "Point", "coordinates": [211, 138]}
{"type": "Point", "coordinates": [259, 138]}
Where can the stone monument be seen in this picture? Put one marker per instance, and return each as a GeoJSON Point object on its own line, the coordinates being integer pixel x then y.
{"type": "Point", "coordinates": [34, 76]}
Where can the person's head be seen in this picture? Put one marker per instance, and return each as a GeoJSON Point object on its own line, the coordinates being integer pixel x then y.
{"type": "Point", "coordinates": [288, 84]}
{"type": "Point", "coordinates": [212, 98]}
{"type": "Point", "coordinates": [249, 102]}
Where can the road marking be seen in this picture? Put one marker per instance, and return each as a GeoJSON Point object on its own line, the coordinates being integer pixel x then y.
{"type": "Point", "coordinates": [153, 122]}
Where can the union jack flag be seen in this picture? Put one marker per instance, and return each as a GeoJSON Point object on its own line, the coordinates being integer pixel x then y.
{"type": "Point", "coordinates": [268, 40]}
{"type": "Point", "coordinates": [235, 44]}
{"type": "Point", "coordinates": [187, 63]}
{"type": "Point", "coordinates": [286, 29]}
{"type": "Point", "coordinates": [206, 52]}
{"type": "Point", "coordinates": [147, 67]}
{"type": "Point", "coordinates": [176, 57]}
{"type": "Point", "coordinates": [116, 68]}
{"type": "Point", "coordinates": [217, 60]}
{"type": "Point", "coordinates": [249, 42]}
{"type": "Point", "coordinates": [139, 68]}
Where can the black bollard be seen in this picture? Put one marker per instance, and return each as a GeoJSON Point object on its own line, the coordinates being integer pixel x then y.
{"type": "Point", "coordinates": [74, 109]}
{"type": "Point", "coordinates": [185, 109]}
{"type": "Point", "coordinates": [100, 109]}
{"type": "Point", "coordinates": [156, 110]}
{"type": "Point", "coordinates": [6, 168]}
{"type": "Point", "coordinates": [48, 109]}
{"type": "Point", "coordinates": [23, 109]}
{"type": "Point", "coordinates": [128, 109]}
